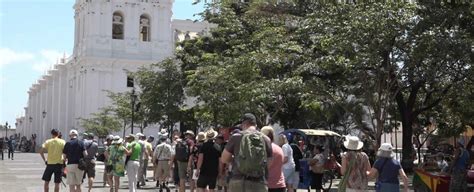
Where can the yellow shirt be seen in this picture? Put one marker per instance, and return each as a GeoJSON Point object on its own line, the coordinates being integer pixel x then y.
{"type": "Point", "coordinates": [148, 147]}
{"type": "Point", "coordinates": [55, 148]}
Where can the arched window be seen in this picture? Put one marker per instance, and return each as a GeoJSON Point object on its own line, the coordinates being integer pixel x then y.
{"type": "Point", "coordinates": [117, 26]}
{"type": "Point", "coordinates": [144, 28]}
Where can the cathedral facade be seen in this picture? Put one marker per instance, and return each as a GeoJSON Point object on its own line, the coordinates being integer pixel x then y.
{"type": "Point", "coordinates": [111, 37]}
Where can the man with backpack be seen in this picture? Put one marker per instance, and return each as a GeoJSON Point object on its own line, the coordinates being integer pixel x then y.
{"type": "Point", "coordinates": [183, 150]}
{"type": "Point", "coordinates": [92, 149]}
{"type": "Point", "coordinates": [162, 161]}
{"type": "Point", "coordinates": [249, 152]}
{"type": "Point", "coordinates": [11, 147]}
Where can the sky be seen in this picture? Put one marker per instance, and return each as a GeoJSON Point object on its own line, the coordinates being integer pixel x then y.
{"type": "Point", "coordinates": [34, 34]}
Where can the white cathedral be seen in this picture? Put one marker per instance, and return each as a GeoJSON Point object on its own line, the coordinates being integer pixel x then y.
{"type": "Point", "coordinates": [110, 38]}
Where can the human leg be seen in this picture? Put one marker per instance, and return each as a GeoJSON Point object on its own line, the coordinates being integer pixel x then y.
{"type": "Point", "coordinates": [182, 169]}
{"type": "Point", "coordinates": [56, 187]}
{"type": "Point", "coordinates": [46, 186]}
{"type": "Point", "coordinates": [132, 172]}
{"type": "Point", "coordinates": [116, 183]}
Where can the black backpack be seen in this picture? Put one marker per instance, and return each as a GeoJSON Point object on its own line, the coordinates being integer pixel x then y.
{"type": "Point", "coordinates": [182, 151]}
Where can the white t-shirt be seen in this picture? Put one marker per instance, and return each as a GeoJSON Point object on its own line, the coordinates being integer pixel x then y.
{"type": "Point", "coordinates": [288, 152]}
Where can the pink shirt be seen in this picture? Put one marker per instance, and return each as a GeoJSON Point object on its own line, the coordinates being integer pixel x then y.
{"type": "Point", "coordinates": [275, 175]}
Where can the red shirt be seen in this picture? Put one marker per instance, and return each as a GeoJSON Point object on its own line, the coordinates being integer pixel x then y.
{"type": "Point", "coordinates": [275, 175]}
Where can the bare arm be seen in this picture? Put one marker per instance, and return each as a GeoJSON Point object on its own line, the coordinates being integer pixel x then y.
{"type": "Point", "coordinates": [344, 165]}
{"type": "Point", "coordinates": [128, 152]}
{"type": "Point", "coordinates": [405, 180]}
{"type": "Point", "coordinates": [150, 152]}
{"type": "Point", "coordinates": [226, 156]}
{"type": "Point", "coordinates": [41, 152]}
{"type": "Point", "coordinates": [372, 173]}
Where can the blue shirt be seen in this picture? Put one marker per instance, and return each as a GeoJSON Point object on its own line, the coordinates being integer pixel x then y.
{"type": "Point", "coordinates": [74, 151]}
{"type": "Point", "coordinates": [389, 172]}
{"type": "Point", "coordinates": [463, 161]}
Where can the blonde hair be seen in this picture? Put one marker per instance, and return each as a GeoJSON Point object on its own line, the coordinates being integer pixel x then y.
{"type": "Point", "coordinates": [268, 131]}
{"type": "Point", "coordinates": [282, 139]}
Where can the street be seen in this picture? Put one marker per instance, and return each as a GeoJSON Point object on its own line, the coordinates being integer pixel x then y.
{"type": "Point", "coordinates": [24, 175]}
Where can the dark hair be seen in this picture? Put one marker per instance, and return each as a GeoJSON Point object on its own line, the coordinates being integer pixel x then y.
{"type": "Point", "coordinates": [55, 132]}
{"type": "Point", "coordinates": [249, 118]}
{"type": "Point", "coordinates": [319, 147]}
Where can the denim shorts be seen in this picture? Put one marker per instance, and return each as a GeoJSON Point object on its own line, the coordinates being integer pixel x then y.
{"type": "Point", "coordinates": [289, 175]}
{"type": "Point", "coordinates": [387, 187]}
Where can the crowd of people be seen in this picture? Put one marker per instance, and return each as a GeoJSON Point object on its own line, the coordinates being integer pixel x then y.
{"type": "Point", "coordinates": [252, 159]}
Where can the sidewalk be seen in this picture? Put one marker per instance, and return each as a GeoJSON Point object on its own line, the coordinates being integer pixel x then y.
{"type": "Point", "coordinates": [24, 175]}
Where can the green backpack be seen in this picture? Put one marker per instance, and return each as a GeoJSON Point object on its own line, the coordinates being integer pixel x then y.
{"type": "Point", "coordinates": [252, 158]}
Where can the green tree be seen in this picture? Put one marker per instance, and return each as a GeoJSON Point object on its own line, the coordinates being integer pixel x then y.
{"type": "Point", "coordinates": [162, 92]}
{"type": "Point", "coordinates": [121, 104]}
{"type": "Point", "coordinates": [409, 54]}
{"type": "Point", "coordinates": [101, 123]}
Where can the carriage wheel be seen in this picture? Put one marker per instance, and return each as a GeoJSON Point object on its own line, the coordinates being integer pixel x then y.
{"type": "Point", "coordinates": [327, 180]}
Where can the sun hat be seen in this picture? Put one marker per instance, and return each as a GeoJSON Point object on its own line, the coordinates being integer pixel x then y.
{"type": "Point", "coordinates": [385, 150]}
{"type": "Point", "coordinates": [119, 141]}
{"type": "Point", "coordinates": [131, 136]}
{"type": "Point", "coordinates": [189, 132]}
{"type": "Point", "coordinates": [140, 135]}
{"type": "Point", "coordinates": [211, 134]}
{"type": "Point", "coordinates": [353, 143]}
{"type": "Point", "coordinates": [201, 136]}
{"type": "Point", "coordinates": [163, 133]}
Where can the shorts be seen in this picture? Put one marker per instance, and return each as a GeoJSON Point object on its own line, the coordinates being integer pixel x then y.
{"type": "Point", "coordinates": [289, 175]}
{"type": "Point", "coordinates": [50, 169]}
{"type": "Point", "coordinates": [277, 189]}
{"type": "Point", "coordinates": [74, 175]}
{"type": "Point", "coordinates": [238, 185]}
{"type": "Point", "coordinates": [204, 181]}
{"type": "Point", "coordinates": [162, 170]}
{"type": "Point", "coordinates": [90, 168]}
{"type": "Point", "coordinates": [182, 170]}
{"type": "Point", "coordinates": [296, 180]}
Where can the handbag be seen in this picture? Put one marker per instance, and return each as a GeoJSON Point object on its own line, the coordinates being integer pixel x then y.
{"type": "Point", "coordinates": [343, 183]}
{"type": "Point", "coordinates": [82, 164]}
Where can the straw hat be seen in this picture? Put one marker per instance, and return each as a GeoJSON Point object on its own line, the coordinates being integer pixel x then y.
{"type": "Point", "coordinates": [211, 134]}
{"type": "Point", "coordinates": [201, 136]}
{"type": "Point", "coordinates": [189, 132]}
{"type": "Point", "coordinates": [353, 143]}
{"type": "Point", "coordinates": [163, 132]}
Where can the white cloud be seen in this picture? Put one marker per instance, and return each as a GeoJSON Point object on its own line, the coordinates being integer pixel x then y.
{"type": "Point", "coordinates": [9, 56]}
{"type": "Point", "coordinates": [39, 61]}
{"type": "Point", "coordinates": [46, 59]}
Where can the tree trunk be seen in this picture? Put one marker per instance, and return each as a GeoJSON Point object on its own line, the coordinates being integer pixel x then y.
{"type": "Point", "coordinates": [407, 144]}
{"type": "Point", "coordinates": [406, 115]}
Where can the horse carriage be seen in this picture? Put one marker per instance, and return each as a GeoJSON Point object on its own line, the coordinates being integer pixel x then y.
{"type": "Point", "coordinates": [307, 139]}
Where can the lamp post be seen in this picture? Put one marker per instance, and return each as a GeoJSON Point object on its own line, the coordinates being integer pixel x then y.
{"type": "Point", "coordinates": [42, 127]}
{"type": "Point", "coordinates": [6, 129]}
{"type": "Point", "coordinates": [134, 98]}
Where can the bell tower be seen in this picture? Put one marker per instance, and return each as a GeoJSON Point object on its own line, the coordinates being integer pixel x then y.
{"type": "Point", "coordinates": [123, 29]}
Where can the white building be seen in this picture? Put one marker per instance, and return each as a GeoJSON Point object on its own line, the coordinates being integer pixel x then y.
{"type": "Point", "coordinates": [111, 37]}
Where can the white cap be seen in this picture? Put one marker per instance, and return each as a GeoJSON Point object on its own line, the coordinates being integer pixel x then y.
{"type": "Point", "coordinates": [73, 132]}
